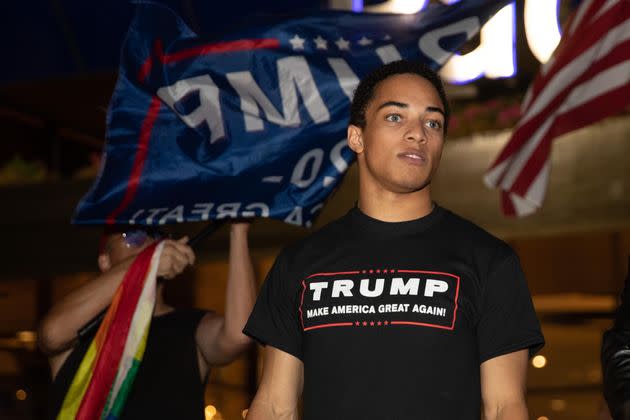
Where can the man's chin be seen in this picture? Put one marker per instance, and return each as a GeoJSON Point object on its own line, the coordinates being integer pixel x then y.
{"type": "Point", "coordinates": [418, 184]}
{"type": "Point", "coordinates": [412, 187]}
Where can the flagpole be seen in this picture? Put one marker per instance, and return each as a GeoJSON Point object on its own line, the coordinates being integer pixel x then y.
{"type": "Point", "coordinates": [208, 230]}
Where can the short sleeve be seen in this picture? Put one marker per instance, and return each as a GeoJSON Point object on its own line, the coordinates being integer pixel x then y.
{"type": "Point", "coordinates": [508, 322]}
{"type": "Point", "coordinates": [274, 319]}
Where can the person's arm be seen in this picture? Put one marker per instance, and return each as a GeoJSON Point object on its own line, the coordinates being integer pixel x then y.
{"type": "Point", "coordinates": [503, 386]}
{"type": "Point", "coordinates": [58, 330]}
{"type": "Point", "coordinates": [280, 387]}
{"type": "Point", "coordinates": [220, 338]}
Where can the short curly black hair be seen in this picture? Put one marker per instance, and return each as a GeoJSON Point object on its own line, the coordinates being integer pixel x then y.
{"type": "Point", "coordinates": [365, 91]}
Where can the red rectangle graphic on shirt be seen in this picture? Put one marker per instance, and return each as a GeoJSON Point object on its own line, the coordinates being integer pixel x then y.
{"type": "Point", "coordinates": [379, 298]}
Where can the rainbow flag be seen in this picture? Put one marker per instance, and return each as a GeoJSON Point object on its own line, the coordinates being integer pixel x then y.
{"type": "Point", "coordinates": [102, 383]}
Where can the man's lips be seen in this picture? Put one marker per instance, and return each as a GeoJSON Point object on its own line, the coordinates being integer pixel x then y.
{"type": "Point", "coordinates": [414, 157]}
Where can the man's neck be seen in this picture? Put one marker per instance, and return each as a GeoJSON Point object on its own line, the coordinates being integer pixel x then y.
{"type": "Point", "coordinates": [395, 207]}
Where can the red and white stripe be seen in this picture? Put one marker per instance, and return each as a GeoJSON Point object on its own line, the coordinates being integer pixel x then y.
{"type": "Point", "coordinates": [586, 80]}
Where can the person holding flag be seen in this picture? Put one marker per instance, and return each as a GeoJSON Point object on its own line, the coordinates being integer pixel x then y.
{"type": "Point", "coordinates": [182, 345]}
{"type": "Point", "coordinates": [400, 309]}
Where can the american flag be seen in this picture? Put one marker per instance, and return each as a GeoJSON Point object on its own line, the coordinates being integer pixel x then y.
{"type": "Point", "coordinates": [586, 80]}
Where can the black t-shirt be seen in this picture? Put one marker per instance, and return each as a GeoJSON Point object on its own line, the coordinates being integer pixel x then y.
{"type": "Point", "coordinates": [392, 320]}
{"type": "Point", "coordinates": [168, 384]}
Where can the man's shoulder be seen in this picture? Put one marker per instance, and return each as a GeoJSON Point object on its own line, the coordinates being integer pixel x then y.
{"type": "Point", "coordinates": [331, 232]}
{"type": "Point", "coordinates": [467, 231]}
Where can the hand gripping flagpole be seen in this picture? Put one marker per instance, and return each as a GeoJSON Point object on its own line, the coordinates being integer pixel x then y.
{"type": "Point", "coordinates": [208, 230]}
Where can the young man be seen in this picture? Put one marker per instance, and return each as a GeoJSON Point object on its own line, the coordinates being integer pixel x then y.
{"type": "Point", "coordinates": [400, 309]}
{"type": "Point", "coordinates": [182, 345]}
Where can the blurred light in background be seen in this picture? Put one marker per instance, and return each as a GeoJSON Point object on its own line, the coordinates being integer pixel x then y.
{"type": "Point", "coordinates": [495, 56]}
{"type": "Point", "coordinates": [558, 405]}
{"type": "Point", "coordinates": [396, 6]}
{"type": "Point", "coordinates": [26, 336]}
{"type": "Point", "coordinates": [541, 27]}
{"type": "Point", "coordinates": [539, 361]}
{"type": "Point", "coordinates": [210, 412]}
{"type": "Point", "coordinates": [21, 395]}
{"type": "Point", "coordinates": [357, 5]}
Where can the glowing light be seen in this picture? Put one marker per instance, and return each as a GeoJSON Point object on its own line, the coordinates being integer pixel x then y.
{"type": "Point", "coordinates": [26, 336]}
{"type": "Point", "coordinates": [357, 6]}
{"type": "Point", "coordinates": [398, 6]}
{"type": "Point", "coordinates": [244, 413]}
{"type": "Point", "coordinates": [541, 27]}
{"type": "Point", "coordinates": [501, 29]}
{"type": "Point", "coordinates": [558, 405]}
{"type": "Point", "coordinates": [539, 361]}
{"type": "Point", "coordinates": [210, 412]}
{"type": "Point", "coordinates": [21, 395]}
{"type": "Point", "coordinates": [543, 418]}
{"type": "Point", "coordinates": [495, 55]}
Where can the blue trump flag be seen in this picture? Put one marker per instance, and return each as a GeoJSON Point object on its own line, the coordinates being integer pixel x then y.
{"type": "Point", "coordinates": [252, 124]}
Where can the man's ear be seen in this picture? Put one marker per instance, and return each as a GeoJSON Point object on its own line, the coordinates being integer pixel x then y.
{"type": "Point", "coordinates": [104, 263]}
{"type": "Point", "coordinates": [355, 138]}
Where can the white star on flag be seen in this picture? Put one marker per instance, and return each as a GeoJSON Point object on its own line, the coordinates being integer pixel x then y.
{"type": "Point", "coordinates": [387, 37]}
{"type": "Point", "coordinates": [320, 43]}
{"type": "Point", "coordinates": [297, 43]}
{"type": "Point", "coordinates": [364, 41]}
{"type": "Point", "coordinates": [342, 44]}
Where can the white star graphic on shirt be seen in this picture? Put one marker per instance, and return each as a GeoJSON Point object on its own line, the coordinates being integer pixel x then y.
{"type": "Point", "coordinates": [342, 44]}
{"type": "Point", "coordinates": [297, 43]}
{"type": "Point", "coordinates": [320, 43]}
{"type": "Point", "coordinates": [364, 42]}
{"type": "Point", "coordinates": [387, 37]}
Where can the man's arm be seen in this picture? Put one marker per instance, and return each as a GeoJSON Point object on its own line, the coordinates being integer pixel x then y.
{"type": "Point", "coordinates": [280, 387]}
{"type": "Point", "coordinates": [220, 338]}
{"type": "Point", "coordinates": [503, 381]}
{"type": "Point", "coordinates": [58, 330]}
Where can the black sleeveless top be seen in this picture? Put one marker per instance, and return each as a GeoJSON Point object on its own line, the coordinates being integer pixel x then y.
{"type": "Point", "coordinates": [168, 384]}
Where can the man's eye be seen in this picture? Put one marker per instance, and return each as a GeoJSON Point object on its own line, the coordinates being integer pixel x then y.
{"type": "Point", "coordinates": [434, 124]}
{"type": "Point", "coordinates": [393, 118]}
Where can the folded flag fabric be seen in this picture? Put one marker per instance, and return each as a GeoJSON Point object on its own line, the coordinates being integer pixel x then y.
{"type": "Point", "coordinates": [106, 373]}
{"type": "Point", "coordinates": [587, 79]}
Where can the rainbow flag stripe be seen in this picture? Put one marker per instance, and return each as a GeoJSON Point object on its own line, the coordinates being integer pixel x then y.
{"type": "Point", "coordinates": [105, 376]}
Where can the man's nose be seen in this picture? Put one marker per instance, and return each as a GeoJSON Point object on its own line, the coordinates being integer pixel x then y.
{"type": "Point", "coordinates": [416, 132]}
